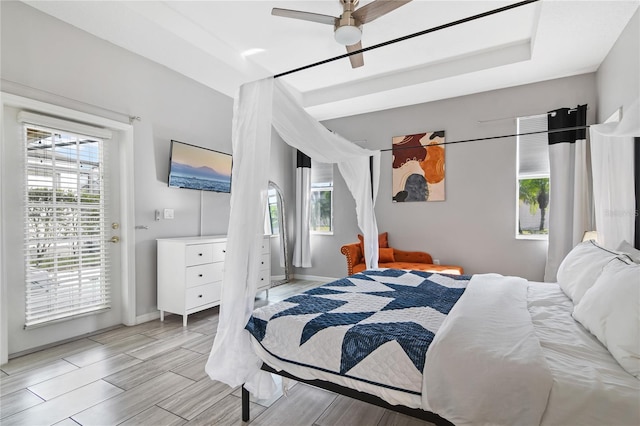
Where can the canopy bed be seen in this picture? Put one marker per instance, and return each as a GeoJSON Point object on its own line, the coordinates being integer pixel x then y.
{"type": "Point", "coordinates": [482, 349]}
{"type": "Point", "coordinates": [533, 359]}
{"type": "Point", "coordinates": [493, 341]}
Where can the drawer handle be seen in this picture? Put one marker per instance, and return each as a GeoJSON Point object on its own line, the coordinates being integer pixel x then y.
{"type": "Point", "coordinates": [200, 275]}
{"type": "Point", "coordinates": [224, 251]}
{"type": "Point", "coordinates": [200, 295]}
{"type": "Point", "coordinates": [199, 254]}
{"type": "Point", "coordinates": [261, 279]}
{"type": "Point", "coordinates": [262, 263]}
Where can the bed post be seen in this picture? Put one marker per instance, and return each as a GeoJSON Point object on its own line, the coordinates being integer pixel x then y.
{"type": "Point", "coordinates": [245, 404]}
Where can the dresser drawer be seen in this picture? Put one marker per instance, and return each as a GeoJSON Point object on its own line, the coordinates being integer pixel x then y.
{"type": "Point", "coordinates": [264, 278]}
{"type": "Point", "coordinates": [197, 254]}
{"type": "Point", "coordinates": [265, 261]}
{"type": "Point", "coordinates": [202, 295]}
{"type": "Point", "coordinates": [219, 250]}
{"type": "Point", "coordinates": [266, 245]}
{"type": "Point", "coordinates": [204, 274]}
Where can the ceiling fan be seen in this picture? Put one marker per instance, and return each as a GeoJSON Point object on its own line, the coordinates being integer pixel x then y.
{"type": "Point", "coordinates": [348, 26]}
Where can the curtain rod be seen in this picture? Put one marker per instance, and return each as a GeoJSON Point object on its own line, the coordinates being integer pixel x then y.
{"type": "Point", "coordinates": [407, 37]}
{"type": "Point", "coordinates": [522, 116]}
{"type": "Point", "coordinates": [564, 129]}
{"type": "Point", "coordinates": [131, 118]}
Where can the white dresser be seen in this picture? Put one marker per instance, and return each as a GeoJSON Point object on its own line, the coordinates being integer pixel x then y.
{"type": "Point", "coordinates": [190, 273]}
{"type": "Point", "coordinates": [264, 277]}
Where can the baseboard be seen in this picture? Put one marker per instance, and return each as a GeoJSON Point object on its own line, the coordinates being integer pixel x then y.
{"type": "Point", "coordinates": [139, 320]}
{"type": "Point", "coordinates": [63, 341]}
{"type": "Point", "coordinates": [151, 316]}
{"type": "Point", "coordinates": [313, 278]}
{"type": "Point", "coordinates": [277, 277]}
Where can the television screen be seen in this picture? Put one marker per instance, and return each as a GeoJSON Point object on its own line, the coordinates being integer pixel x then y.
{"type": "Point", "coordinates": [195, 167]}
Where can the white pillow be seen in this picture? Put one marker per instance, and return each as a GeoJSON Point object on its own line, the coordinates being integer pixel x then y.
{"type": "Point", "coordinates": [581, 267]}
{"type": "Point", "coordinates": [630, 251]}
{"type": "Point", "coordinates": [610, 310]}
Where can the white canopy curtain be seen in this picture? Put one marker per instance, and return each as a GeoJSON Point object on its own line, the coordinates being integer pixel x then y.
{"type": "Point", "coordinates": [302, 245]}
{"type": "Point", "coordinates": [612, 158]}
{"type": "Point", "coordinates": [570, 211]}
{"type": "Point", "coordinates": [260, 105]}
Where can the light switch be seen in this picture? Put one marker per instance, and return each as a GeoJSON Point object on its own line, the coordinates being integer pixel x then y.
{"type": "Point", "coordinates": [168, 213]}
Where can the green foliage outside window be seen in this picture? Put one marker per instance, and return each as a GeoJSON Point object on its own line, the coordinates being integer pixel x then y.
{"type": "Point", "coordinates": [273, 218]}
{"type": "Point", "coordinates": [535, 194]}
{"type": "Point", "coordinates": [321, 210]}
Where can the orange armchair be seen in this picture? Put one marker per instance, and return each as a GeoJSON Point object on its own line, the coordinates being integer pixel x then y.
{"type": "Point", "coordinates": [418, 260]}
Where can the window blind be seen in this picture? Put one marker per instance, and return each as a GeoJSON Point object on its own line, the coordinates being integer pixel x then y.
{"type": "Point", "coordinates": [533, 151]}
{"type": "Point", "coordinates": [321, 174]}
{"type": "Point", "coordinates": [65, 221]}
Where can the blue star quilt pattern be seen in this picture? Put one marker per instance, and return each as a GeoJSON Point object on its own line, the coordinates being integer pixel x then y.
{"type": "Point", "coordinates": [375, 326]}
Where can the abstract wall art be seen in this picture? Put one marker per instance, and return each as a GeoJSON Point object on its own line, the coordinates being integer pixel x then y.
{"type": "Point", "coordinates": [418, 167]}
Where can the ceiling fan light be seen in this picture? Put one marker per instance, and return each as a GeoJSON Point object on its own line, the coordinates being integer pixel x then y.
{"type": "Point", "coordinates": [348, 35]}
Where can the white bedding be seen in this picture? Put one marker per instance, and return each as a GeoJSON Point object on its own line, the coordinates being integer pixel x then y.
{"type": "Point", "coordinates": [485, 365]}
{"type": "Point", "coordinates": [589, 386]}
{"type": "Point", "coordinates": [570, 370]}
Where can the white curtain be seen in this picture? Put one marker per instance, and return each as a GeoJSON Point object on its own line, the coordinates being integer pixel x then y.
{"type": "Point", "coordinates": [612, 154]}
{"type": "Point", "coordinates": [258, 106]}
{"type": "Point", "coordinates": [302, 245]}
{"type": "Point", "coordinates": [570, 211]}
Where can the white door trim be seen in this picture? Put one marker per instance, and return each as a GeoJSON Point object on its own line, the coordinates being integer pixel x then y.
{"type": "Point", "coordinates": [127, 213]}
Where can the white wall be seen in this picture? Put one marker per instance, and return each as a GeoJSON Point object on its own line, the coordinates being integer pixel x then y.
{"type": "Point", "coordinates": [475, 226]}
{"type": "Point", "coordinates": [618, 77]}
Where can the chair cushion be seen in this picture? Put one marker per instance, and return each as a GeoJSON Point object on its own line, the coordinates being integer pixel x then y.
{"type": "Point", "coordinates": [385, 255]}
{"type": "Point", "coordinates": [383, 241]}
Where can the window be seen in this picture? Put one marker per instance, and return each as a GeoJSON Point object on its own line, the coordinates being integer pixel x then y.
{"type": "Point", "coordinates": [66, 262]}
{"type": "Point", "coordinates": [532, 211]}
{"type": "Point", "coordinates": [321, 200]}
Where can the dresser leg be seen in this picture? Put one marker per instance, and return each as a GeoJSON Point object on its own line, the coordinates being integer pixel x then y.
{"type": "Point", "coordinates": [161, 315]}
{"type": "Point", "coordinates": [184, 320]}
{"type": "Point", "coordinates": [267, 293]}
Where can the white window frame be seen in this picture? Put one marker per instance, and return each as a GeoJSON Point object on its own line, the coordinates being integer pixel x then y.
{"type": "Point", "coordinates": [323, 184]}
{"type": "Point", "coordinates": [60, 291]}
{"type": "Point", "coordinates": [541, 174]}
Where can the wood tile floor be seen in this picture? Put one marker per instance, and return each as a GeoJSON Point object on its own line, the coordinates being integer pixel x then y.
{"type": "Point", "coordinates": [153, 374]}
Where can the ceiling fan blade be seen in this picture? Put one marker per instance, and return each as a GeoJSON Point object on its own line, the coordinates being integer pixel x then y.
{"type": "Point", "coordinates": [306, 16]}
{"type": "Point", "coordinates": [376, 9]}
{"type": "Point", "coordinates": [357, 60]}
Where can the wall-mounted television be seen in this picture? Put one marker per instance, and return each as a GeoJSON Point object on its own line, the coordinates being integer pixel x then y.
{"type": "Point", "coordinates": [195, 167]}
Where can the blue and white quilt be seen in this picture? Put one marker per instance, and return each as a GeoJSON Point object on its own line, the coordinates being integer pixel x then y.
{"type": "Point", "coordinates": [373, 327]}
